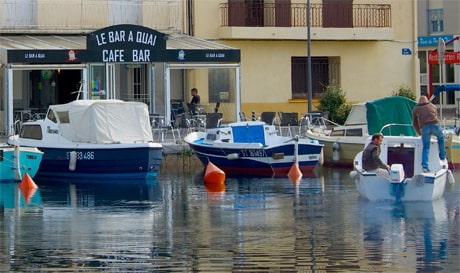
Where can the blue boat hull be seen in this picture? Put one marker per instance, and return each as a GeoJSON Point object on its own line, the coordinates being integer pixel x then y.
{"type": "Point", "coordinates": [141, 162]}
{"type": "Point", "coordinates": [266, 161]}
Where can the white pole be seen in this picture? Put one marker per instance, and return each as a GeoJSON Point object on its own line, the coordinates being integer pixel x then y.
{"type": "Point", "coordinates": [441, 51]}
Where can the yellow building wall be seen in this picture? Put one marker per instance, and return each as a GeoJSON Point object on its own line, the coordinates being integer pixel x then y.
{"type": "Point", "coordinates": [369, 69]}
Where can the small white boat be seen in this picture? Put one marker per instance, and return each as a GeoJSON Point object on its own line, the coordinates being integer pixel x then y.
{"type": "Point", "coordinates": [343, 142]}
{"type": "Point", "coordinates": [94, 139]}
{"type": "Point", "coordinates": [253, 148]}
{"type": "Point", "coordinates": [407, 181]}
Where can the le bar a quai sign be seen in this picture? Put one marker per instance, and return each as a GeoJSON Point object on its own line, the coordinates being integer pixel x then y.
{"type": "Point", "coordinates": [126, 43]}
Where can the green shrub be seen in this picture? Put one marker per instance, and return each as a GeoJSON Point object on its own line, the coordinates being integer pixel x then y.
{"type": "Point", "coordinates": [404, 91]}
{"type": "Point", "coordinates": [333, 101]}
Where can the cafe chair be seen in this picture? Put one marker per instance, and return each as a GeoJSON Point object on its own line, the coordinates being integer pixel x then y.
{"type": "Point", "coordinates": [288, 119]}
{"type": "Point", "coordinates": [213, 120]}
{"type": "Point", "coordinates": [268, 117]}
{"type": "Point", "coordinates": [242, 116]}
{"type": "Point", "coordinates": [216, 108]}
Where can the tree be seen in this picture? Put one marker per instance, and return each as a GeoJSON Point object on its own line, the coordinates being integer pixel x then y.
{"type": "Point", "coordinates": [333, 101]}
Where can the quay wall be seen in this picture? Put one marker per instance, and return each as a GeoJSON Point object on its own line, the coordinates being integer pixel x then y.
{"type": "Point", "coordinates": [179, 158]}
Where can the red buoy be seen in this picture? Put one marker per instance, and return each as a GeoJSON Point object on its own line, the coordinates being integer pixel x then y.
{"type": "Point", "coordinates": [27, 187]}
{"type": "Point", "coordinates": [213, 174]}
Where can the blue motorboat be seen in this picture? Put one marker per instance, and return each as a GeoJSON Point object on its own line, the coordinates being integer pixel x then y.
{"type": "Point", "coordinates": [94, 139]}
{"type": "Point", "coordinates": [254, 148]}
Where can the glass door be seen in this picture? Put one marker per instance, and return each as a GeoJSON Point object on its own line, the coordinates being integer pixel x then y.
{"type": "Point", "coordinates": [102, 81]}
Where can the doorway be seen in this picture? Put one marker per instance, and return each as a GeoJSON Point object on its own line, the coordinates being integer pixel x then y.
{"type": "Point", "coordinates": [67, 85]}
{"type": "Point", "coordinates": [49, 87]}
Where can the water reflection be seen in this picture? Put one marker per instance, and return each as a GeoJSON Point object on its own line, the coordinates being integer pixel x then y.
{"type": "Point", "coordinates": [387, 232]}
{"type": "Point", "coordinates": [11, 197]}
{"type": "Point", "coordinates": [179, 224]}
{"type": "Point", "coordinates": [126, 194]}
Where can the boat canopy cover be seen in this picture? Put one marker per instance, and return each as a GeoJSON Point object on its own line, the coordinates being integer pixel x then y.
{"type": "Point", "coordinates": [388, 110]}
{"type": "Point", "coordinates": [357, 115]}
{"type": "Point", "coordinates": [104, 121]}
{"type": "Point", "coordinates": [249, 134]}
{"type": "Point", "coordinates": [446, 88]}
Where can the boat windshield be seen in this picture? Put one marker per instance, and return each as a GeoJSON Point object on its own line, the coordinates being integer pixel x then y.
{"type": "Point", "coordinates": [51, 116]}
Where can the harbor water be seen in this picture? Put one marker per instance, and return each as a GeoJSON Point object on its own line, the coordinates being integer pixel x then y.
{"type": "Point", "coordinates": [176, 223]}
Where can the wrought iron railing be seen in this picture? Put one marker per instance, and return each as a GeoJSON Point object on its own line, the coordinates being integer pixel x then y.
{"type": "Point", "coordinates": [295, 15]}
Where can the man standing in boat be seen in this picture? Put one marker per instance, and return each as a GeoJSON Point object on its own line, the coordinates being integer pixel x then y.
{"type": "Point", "coordinates": [426, 123]}
{"type": "Point", "coordinates": [371, 161]}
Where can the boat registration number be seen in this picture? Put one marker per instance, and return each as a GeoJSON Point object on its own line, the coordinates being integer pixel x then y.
{"type": "Point", "coordinates": [82, 155]}
{"type": "Point", "coordinates": [253, 153]}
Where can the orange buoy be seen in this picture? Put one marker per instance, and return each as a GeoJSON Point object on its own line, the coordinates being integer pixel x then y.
{"type": "Point", "coordinates": [294, 173]}
{"type": "Point", "coordinates": [214, 187]}
{"type": "Point", "coordinates": [27, 187]}
{"type": "Point", "coordinates": [215, 191]}
{"type": "Point", "coordinates": [213, 174]}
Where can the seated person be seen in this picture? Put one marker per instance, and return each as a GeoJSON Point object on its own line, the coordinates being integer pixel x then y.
{"type": "Point", "coordinates": [371, 161]}
{"type": "Point", "coordinates": [195, 97]}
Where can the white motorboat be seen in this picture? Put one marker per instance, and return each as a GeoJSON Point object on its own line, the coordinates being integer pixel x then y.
{"type": "Point", "coordinates": [406, 181]}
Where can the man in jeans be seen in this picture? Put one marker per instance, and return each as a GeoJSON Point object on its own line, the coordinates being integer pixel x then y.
{"type": "Point", "coordinates": [426, 123]}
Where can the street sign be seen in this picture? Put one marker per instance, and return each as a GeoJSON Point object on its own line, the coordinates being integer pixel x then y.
{"type": "Point", "coordinates": [406, 51]}
{"type": "Point", "coordinates": [449, 57]}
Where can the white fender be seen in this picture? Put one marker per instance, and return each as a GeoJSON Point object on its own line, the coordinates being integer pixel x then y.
{"type": "Point", "coordinates": [450, 177]}
{"type": "Point", "coordinates": [321, 157]}
{"type": "Point", "coordinates": [73, 161]}
{"type": "Point", "coordinates": [233, 156]}
{"type": "Point", "coordinates": [335, 151]}
{"type": "Point", "coordinates": [354, 174]}
{"type": "Point", "coordinates": [17, 163]}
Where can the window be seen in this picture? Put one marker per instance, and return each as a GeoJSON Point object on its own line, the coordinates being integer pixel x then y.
{"type": "Point", "coordinates": [324, 71]}
{"type": "Point", "coordinates": [63, 116]}
{"type": "Point", "coordinates": [337, 13]}
{"type": "Point", "coordinates": [139, 83]}
{"type": "Point", "coordinates": [218, 83]}
{"type": "Point", "coordinates": [338, 133]}
{"type": "Point", "coordinates": [31, 131]}
{"type": "Point", "coordinates": [355, 132]}
{"type": "Point", "coordinates": [435, 21]}
{"type": "Point", "coordinates": [138, 80]}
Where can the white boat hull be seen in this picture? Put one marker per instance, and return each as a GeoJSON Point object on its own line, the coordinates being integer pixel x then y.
{"type": "Point", "coordinates": [406, 181]}
{"type": "Point", "coordinates": [419, 188]}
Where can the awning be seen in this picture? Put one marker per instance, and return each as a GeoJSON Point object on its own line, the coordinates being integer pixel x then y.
{"type": "Point", "coordinates": [175, 41]}
{"type": "Point", "coordinates": [42, 42]}
{"type": "Point", "coordinates": [193, 47]}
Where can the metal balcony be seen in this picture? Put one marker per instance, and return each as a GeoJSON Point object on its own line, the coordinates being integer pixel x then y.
{"type": "Point", "coordinates": [250, 14]}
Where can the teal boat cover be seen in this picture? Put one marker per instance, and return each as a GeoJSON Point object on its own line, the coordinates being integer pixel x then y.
{"type": "Point", "coordinates": [390, 110]}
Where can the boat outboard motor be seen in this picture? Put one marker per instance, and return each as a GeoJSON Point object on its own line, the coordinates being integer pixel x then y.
{"type": "Point", "coordinates": [397, 179]}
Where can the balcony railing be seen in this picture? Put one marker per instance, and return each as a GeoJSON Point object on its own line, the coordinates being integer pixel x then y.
{"type": "Point", "coordinates": [81, 16]}
{"type": "Point", "coordinates": [295, 15]}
